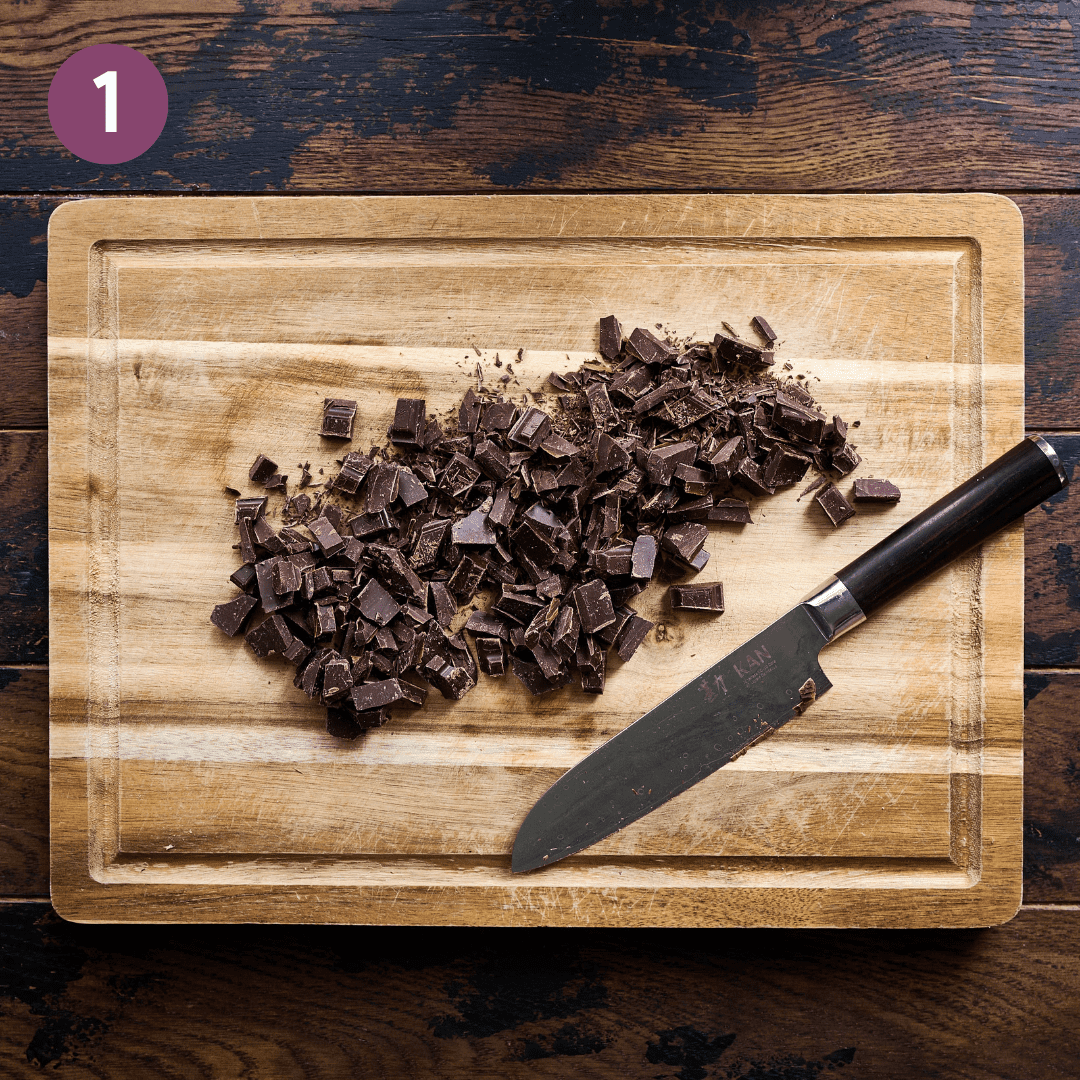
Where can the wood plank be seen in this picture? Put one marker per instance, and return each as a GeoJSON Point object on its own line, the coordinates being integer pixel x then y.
{"type": "Point", "coordinates": [197, 306]}
{"type": "Point", "coordinates": [379, 97]}
{"type": "Point", "coordinates": [23, 225]}
{"type": "Point", "coordinates": [24, 793]}
{"type": "Point", "coordinates": [1051, 311]}
{"type": "Point", "coordinates": [337, 1001]}
{"type": "Point", "coordinates": [1052, 570]}
{"type": "Point", "coordinates": [1052, 787]}
{"type": "Point", "coordinates": [24, 591]}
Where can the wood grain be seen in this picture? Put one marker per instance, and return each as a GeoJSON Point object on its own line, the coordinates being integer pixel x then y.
{"type": "Point", "coordinates": [1052, 570]}
{"type": "Point", "coordinates": [24, 625]}
{"type": "Point", "coordinates": [24, 793]}
{"type": "Point", "coordinates": [1052, 787]}
{"type": "Point", "coordinates": [339, 1001]}
{"type": "Point", "coordinates": [439, 96]}
{"type": "Point", "coordinates": [216, 321]}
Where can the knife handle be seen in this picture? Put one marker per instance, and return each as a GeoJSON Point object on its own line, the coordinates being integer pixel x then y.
{"type": "Point", "coordinates": [1006, 489]}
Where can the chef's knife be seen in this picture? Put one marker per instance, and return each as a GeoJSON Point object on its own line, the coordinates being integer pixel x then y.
{"type": "Point", "coordinates": [774, 676]}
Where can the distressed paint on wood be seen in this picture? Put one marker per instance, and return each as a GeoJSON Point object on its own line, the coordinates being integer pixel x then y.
{"type": "Point", "coordinates": [318, 1002]}
{"type": "Point", "coordinates": [287, 94]}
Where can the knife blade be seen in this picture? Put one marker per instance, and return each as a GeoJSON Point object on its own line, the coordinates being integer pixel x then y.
{"type": "Point", "coordinates": [760, 686]}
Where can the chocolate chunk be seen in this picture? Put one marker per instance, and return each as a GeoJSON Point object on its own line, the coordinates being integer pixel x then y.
{"type": "Point", "coordinates": [284, 577]}
{"type": "Point", "coordinates": [845, 461]}
{"type": "Point", "coordinates": [409, 420]}
{"type": "Point", "coordinates": [532, 428]}
{"type": "Point", "coordinates": [741, 352]}
{"type": "Point", "coordinates": [247, 539]}
{"type": "Point", "coordinates": [486, 624]}
{"type": "Point", "coordinates": [381, 487]}
{"type": "Point", "coordinates": [396, 572]}
{"type": "Point", "coordinates": [324, 619]}
{"type": "Point", "coordinates": [429, 543]}
{"type": "Point", "coordinates": [264, 576]}
{"type": "Point", "coordinates": [763, 328]}
{"type": "Point", "coordinates": [557, 447]}
{"type": "Point", "coordinates": [610, 337]}
{"type": "Point", "coordinates": [231, 616]}
{"type": "Point", "coordinates": [366, 525]}
{"type": "Point", "coordinates": [336, 679]}
{"type": "Point", "coordinates": [499, 416]}
{"type": "Point", "coordinates": [655, 398]}
{"type": "Point", "coordinates": [249, 509]}
{"type": "Point", "coordinates": [643, 559]}
{"type": "Point", "coordinates": [326, 536]}
{"type": "Point", "coordinates": [591, 661]}
{"type": "Point", "coordinates": [270, 636]}
{"type": "Point", "coordinates": [376, 604]}
{"type": "Point", "coordinates": [520, 607]}
{"type": "Point", "coordinates": [380, 695]}
{"type": "Point", "coordinates": [261, 471]}
{"type": "Point", "coordinates": [837, 508]}
{"type": "Point", "coordinates": [491, 656]}
{"type": "Point", "coordinates": [633, 633]}
{"type": "Point", "coordinates": [660, 463]}
{"type": "Point", "coordinates": [784, 467]}
{"type": "Point", "coordinates": [790, 416]}
{"type": "Point", "coordinates": [594, 607]}
{"type": "Point", "coordinates": [297, 652]}
{"type": "Point", "coordinates": [459, 475]}
{"type": "Point", "coordinates": [410, 491]}
{"type": "Point", "coordinates": [732, 510]}
{"type": "Point", "coordinates": [441, 603]}
{"type": "Point", "coordinates": [615, 561]}
{"type": "Point", "coordinates": [603, 412]}
{"type": "Point", "coordinates": [466, 577]}
{"type": "Point", "coordinates": [870, 490]}
{"type": "Point", "coordinates": [337, 419]}
{"type": "Point", "coordinates": [698, 597]}
{"type": "Point", "coordinates": [493, 460]}
{"type": "Point", "coordinates": [685, 541]}
{"type": "Point", "coordinates": [749, 476]}
{"type": "Point", "coordinates": [469, 412]}
{"type": "Point", "coordinates": [531, 677]}
{"type": "Point", "coordinates": [244, 577]}
{"type": "Point", "coordinates": [650, 348]}
{"type": "Point", "coordinates": [473, 529]}
{"type": "Point", "coordinates": [343, 724]}
{"type": "Point", "coordinates": [276, 482]}
{"type": "Point", "coordinates": [353, 470]}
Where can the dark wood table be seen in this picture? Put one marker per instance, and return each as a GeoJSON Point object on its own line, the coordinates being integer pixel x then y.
{"type": "Point", "coordinates": [428, 96]}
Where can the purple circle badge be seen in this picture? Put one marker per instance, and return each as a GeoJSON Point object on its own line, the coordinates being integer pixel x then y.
{"type": "Point", "coordinates": [108, 104]}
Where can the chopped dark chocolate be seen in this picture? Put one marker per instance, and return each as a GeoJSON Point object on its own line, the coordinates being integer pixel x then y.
{"type": "Point", "coordinates": [244, 577]}
{"type": "Point", "coordinates": [870, 490]}
{"type": "Point", "coordinates": [633, 633]}
{"type": "Point", "coordinates": [441, 603]}
{"type": "Point", "coordinates": [650, 348]}
{"type": "Point", "coordinates": [284, 577]}
{"type": "Point", "coordinates": [261, 471]}
{"type": "Point", "coordinates": [409, 420]}
{"type": "Point", "coordinates": [763, 328]}
{"type": "Point", "coordinates": [732, 510]}
{"type": "Point", "coordinates": [610, 337]}
{"type": "Point", "coordinates": [594, 607]}
{"type": "Point", "coordinates": [784, 467]}
{"type": "Point", "coordinates": [698, 597]}
{"type": "Point", "coordinates": [270, 636]}
{"type": "Point", "coordinates": [685, 541]}
{"type": "Point", "coordinates": [466, 578]}
{"type": "Point", "coordinates": [743, 353]}
{"type": "Point", "coordinates": [337, 419]}
{"type": "Point", "coordinates": [491, 656]}
{"type": "Point", "coordinates": [381, 487]}
{"type": "Point", "coordinates": [231, 616]}
{"type": "Point", "coordinates": [532, 428]}
{"type": "Point", "coordinates": [376, 604]}
{"type": "Point", "coordinates": [326, 536]}
{"type": "Point", "coordinates": [837, 509]}
{"type": "Point", "coordinates": [473, 529]}
{"type": "Point", "coordinates": [247, 539]}
{"type": "Point", "coordinates": [499, 416]}
{"type": "Point", "coordinates": [252, 508]}
{"type": "Point", "coordinates": [353, 470]}
{"type": "Point", "coordinates": [845, 460]}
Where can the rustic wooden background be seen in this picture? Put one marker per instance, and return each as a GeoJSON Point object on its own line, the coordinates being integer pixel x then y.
{"type": "Point", "coordinates": [486, 95]}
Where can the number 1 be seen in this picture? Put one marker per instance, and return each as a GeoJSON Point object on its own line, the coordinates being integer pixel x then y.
{"type": "Point", "coordinates": [108, 80]}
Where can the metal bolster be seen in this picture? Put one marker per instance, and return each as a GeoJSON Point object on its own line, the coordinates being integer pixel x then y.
{"type": "Point", "coordinates": [834, 609]}
{"type": "Point", "coordinates": [1051, 453]}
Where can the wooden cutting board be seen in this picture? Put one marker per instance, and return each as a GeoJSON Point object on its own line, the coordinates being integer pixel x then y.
{"type": "Point", "coordinates": [192, 782]}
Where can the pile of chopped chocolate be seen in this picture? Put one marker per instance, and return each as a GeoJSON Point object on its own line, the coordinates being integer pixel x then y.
{"type": "Point", "coordinates": [562, 512]}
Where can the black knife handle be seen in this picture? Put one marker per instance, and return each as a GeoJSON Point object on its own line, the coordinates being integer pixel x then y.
{"type": "Point", "coordinates": [1006, 489]}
